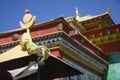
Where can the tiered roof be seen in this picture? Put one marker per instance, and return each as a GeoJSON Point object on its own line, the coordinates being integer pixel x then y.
{"type": "Point", "coordinates": [95, 22]}
{"type": "Point", "coordinates": [101, 31]}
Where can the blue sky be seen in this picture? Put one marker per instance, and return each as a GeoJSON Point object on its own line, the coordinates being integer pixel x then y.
{"type": "Point", "coordinates": [12, 11]}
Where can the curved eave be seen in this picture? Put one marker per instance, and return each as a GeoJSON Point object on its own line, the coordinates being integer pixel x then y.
{"type": "Point", "coordinates": [82, 19]}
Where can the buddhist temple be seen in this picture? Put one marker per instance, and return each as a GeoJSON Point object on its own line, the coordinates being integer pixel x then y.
{"type": "Point", "coordinates": [81, 48]}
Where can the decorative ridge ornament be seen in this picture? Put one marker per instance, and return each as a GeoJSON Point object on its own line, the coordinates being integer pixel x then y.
{"type": "Point", "coordinates": [108, 10]}
{"type": "Point", "coordinates": [28, 20]}
{"type": "Point", "coordinates": [27, 11]}
{"type": "Point", "coordinates": [77, 13]}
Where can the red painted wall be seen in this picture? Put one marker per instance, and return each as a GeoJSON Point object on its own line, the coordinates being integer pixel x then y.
{"type": "Point", "coordinates": [37, 31]}
{"type": "Point", "coordinates": [57, 53]}
{"type": "Point", "coordinates": [103, 30]}
{"type": "Point", "coordinates": [89, 47]}
{"type": "Point", "coordinates": [111, 47]}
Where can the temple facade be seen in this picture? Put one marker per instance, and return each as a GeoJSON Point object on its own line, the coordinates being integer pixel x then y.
{"type": "Point", "coordinates": [89, 44]}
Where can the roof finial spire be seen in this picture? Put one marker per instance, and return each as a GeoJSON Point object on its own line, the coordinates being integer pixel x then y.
{"type": "Point", "coordinates": [28, 20]}
{"type": "Point", "coordinates": [77, 13]}
{"type": "Point", "coordinates": [108, 10]}
{"type": "Point", "coordinates": [27, 11]}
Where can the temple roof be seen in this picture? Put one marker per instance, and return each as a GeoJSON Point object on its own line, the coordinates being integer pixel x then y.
{"type": "Point", "coordinates": [58, 20]}
{"type": "Point", "coordinates": [16, 58]}
{"type": "Point", "coordinates": [13, 53]}
{"type": "Point", "coordinates": [107, 38]}
{"type": "Point", "coordinates": [49, 32]}
{"type": "Point", "coordinates": [88, 17]}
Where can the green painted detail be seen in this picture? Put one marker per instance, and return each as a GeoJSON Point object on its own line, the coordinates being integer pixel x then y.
{"type": "Point", "coordinates": [92, 24]}
{"type": "Point", "coordinates": [114, 72]}
{"type": "Point", "coordinates": [105, 38]}
{"type": "Point", "coordinates": [104, 23]}
{"type": "Point", "coordinates": [114, 58]}
{"type": "Point", "coordinates": [114, 67]}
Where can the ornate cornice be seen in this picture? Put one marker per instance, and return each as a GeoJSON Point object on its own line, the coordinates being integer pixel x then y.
{"type": "Point", "coordinates": [66, 43]}
{"type": "Point", "coordinates": [105, 36]}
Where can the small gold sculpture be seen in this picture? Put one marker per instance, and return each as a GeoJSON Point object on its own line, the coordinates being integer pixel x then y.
{"type": "Point", "coordinates": [26, 41]}
{"type": "Point", "coordinates": [27, 45]}
{"type": "Point", "coordinates": [28, 20]}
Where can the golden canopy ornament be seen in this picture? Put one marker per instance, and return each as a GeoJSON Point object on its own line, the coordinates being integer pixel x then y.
{"type": "Point", "coordinates": [28, 20]}
{"type": "Point", "coordinates": [26, 41]}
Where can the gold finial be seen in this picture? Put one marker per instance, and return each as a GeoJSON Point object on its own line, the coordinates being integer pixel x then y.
{"type": "Point", "coordinates": [77, 13]}
{"type": "Point", "coordinates": [27, 11]}
{"type": "Point", "coordinates": [28, 20]}
{"type": "Point", "coordinates": [108, 10]}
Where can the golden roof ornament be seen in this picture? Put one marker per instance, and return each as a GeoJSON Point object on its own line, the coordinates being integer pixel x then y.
{"type": "Point", "coordinates": [108, 10]}
{"type": "Point", "coordinates": [28, 20]}
{"type": "Point", "coordinates": [77, 13]}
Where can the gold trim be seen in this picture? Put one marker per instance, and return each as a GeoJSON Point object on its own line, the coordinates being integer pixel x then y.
{"type": "Point", "coordinates": [56, 47]}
